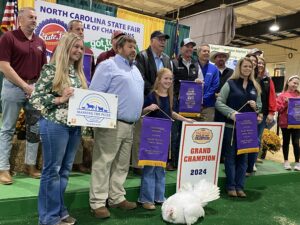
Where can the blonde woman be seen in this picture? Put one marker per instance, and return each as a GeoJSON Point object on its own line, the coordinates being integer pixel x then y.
{"type": "Point", "coordinates": [59, 141]}
{"type": "Point", "coordinates": [241, 92]}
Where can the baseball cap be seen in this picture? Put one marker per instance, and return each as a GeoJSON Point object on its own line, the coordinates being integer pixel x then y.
{"type": "Point", "coordinates": [187, 41]}
{"type": "Point", "coordinates": [158, 33]}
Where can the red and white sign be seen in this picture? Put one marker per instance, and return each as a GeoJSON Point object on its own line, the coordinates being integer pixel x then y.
{"type": "Point", "coordinates": [200, 151]}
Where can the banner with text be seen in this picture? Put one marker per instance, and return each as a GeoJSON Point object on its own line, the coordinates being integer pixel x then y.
{"type": "Point", "coordinates": [246, 132]}
{"type": "Point", "coordinates": [190, 98]}
{"type": "Point", "coordinates": [92, 109]}
{"type": "Point", "coordinates": [52, 20]}
{"type": "Point", "coordinates": [235, 53]}
{"type": "Point", "coordinates": [155, 141]}
{"type": "Point", "coordinates": [199, 154]}
{"type": "Point", "coordinates": [294, 113]}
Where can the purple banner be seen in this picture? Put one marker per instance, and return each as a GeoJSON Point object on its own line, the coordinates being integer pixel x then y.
{"type": "Point", "coordinates": [294, 113]}
{"type": "Point", "coordinates": [190, 98]}
{"type": "Point", "coordinates": [155, 140]}
{"type": "Point", "coordinates": [87, 59]}
{"type": "Point", "coordinates": [246, 132]}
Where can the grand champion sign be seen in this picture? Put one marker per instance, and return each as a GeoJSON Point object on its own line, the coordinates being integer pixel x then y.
{"type": "Point", "coordinates": [200, 150]}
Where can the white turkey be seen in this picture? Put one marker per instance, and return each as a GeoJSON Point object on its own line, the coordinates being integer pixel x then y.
{"type": "Point", "coordinates": [186, 206]}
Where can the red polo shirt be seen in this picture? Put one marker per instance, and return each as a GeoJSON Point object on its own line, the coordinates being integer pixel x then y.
{"type": "Point", "coordinates": [25, 56]}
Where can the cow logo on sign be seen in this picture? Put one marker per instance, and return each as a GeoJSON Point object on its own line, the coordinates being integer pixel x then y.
{"type": "Point", "coordinates": [94, 108]}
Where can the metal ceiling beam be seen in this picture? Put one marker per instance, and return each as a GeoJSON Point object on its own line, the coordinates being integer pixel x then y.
{"type": "Point", "coordinates": [289, 22]}
{"type": "Point", "coordinates": [206, 5]}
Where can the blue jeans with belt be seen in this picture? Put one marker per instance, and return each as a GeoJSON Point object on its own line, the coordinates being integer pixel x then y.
{"type": "Point", "coordinates": [152, 185]}
{"type": "Point", "coordinates": [235, 165]}
{"type": "Point", "coordinates": [60, 143]}
{"type": "Point", "coordinates": [13, 99]}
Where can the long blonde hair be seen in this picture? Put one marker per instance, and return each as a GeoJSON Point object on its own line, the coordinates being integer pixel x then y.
{"type": "Point", "coordinates": [61, 59]}
{"type": "Point", "coordinates": [159, 75]}
{"type": "Point", "coordinates": [237, 72]}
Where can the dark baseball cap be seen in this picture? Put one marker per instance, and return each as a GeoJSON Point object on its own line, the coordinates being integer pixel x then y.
{"type": "Point", "coordinates": [158, 33]}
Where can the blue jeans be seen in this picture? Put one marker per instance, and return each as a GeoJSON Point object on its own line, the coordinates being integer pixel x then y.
{"type": "Point", "coordinates": [60, 143]}
{"type": "Point", "coordinates": [253, 156]}
{"type": "Point", "coordinates": [235, 165]}
{"type": "Point", "coordinates": [152, 185]}
{"type": "Point", "coordinates": [13, 99]}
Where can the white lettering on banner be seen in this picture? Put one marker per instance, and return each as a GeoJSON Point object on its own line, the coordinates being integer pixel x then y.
{"type": "Point", "coordinates": [200, 150]}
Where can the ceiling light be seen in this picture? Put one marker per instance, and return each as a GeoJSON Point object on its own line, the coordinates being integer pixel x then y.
{"type": "Point", "coordinates": [274, 27]}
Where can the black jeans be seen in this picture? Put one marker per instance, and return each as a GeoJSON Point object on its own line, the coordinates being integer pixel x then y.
{"type": "Point", "coordinates": [286, 135]}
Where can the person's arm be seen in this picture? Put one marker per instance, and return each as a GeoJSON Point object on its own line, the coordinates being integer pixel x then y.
{"type": "Point", "coordinates": [176, 116]}
{"type": "Point", "coordinates": [272, 99]}
{"type": "Point", "coordinates": [221, 103]}
{"type": "Point", "coordinates": [13, 77]}
{"type": "Point", "coordinates": [212, 89]}
{"type": "Point", "coordinates": [282, 103]}
{"type": "Point", "coordinates": [141, 65]}
{"type": "Point", "coordinates": [42, 97]}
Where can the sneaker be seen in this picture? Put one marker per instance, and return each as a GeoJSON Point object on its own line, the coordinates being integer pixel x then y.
{"type": "Point", "coordinates": [69, 220]}
{"type": "Point", "coordinates": [287, 165]}
{"type": "Point", "coordinates": [254, 168]}
{"type": "Point", "coordinates": [241, 194]}
{"type": "Point", "coordinates": [297, 167]}
{"type": "Point", "coordinates": [232, 193]}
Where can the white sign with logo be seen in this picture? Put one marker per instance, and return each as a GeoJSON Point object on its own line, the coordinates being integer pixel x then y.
{"type": "Point", "coordinates": [92, 109]}
{"type": "Point", "coordinates": [200, 151]}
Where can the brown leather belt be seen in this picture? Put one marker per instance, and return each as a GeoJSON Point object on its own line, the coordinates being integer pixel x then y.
{"type": "Point", "coordinates": [31, 81]}
{"type": "Point", "coordinates": [123, 121]}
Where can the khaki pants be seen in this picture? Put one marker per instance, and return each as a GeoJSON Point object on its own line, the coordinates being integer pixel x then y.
{"type": "Point", "coordinates": [111, 157]}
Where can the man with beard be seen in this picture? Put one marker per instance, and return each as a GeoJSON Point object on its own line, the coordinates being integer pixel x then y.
{"type": "Point", "coordinates": [111, 153]}
{"type": "Point", "coordinates": [22, 56]}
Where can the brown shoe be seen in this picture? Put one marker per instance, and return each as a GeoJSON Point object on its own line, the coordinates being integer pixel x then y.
{"type": "Point", "coordinates": [81, 168]}
{"type": "Point", "coordinates": [232, 193]}
{"type": "Point", "coordinates": [5, 177]}
{"type": "Point", "coordinates": [241, 194]}
{"type": "Point", "coordinates": [101, 212]}
{"type": "Point", "coordinates": [32, 171]}
{"type": "Point", "coordinates": [125, 205]}
{"type": "Point", "coordinates": [69, 220]}
{"type": "Point", "coordinates": [149, 206]}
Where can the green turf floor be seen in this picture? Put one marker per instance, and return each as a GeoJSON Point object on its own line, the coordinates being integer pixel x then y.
{"type": "Point", "coordinates": [265, 205]}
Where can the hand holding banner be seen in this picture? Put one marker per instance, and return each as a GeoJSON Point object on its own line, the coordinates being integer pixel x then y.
{"type": "Point", "coordinates": [190, 98]}
{"type": "Point", "coordinates": [294, 113]}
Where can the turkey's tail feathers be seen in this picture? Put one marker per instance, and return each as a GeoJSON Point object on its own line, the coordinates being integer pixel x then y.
{"type": "Point", "coordinates": [206, 191]}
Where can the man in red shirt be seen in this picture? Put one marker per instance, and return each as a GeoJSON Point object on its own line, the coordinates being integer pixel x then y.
{"type": "Point", "coordinates": [22, 56]}
{"type": "Point", "coordinates": [112, 52]}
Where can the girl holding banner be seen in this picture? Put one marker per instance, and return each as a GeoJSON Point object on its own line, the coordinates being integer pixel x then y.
{"type": "Point", "coordinates": [287, 112]}
{"type": "Point", "coordinates": [153, 155]}
{"type": "Point", "coordinates": [59, 141]}
{"type": "Point", "coordinates": [241, 93]}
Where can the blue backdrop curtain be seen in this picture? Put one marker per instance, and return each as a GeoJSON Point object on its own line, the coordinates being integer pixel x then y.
{"type": "Point", "coordinates": [170, 29]}
{"type": "Point", "coordinates": [85, 4]}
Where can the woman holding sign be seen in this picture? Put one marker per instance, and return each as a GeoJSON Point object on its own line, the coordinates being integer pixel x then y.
{"type": "Point", "coordinates": [158, 104]}
{"type": "Point", "coordinates": [59, 141]}
{"type": "Point", "coordinates": [241, 93]}
{"type": "Point", "coordinates": [290, 91]}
